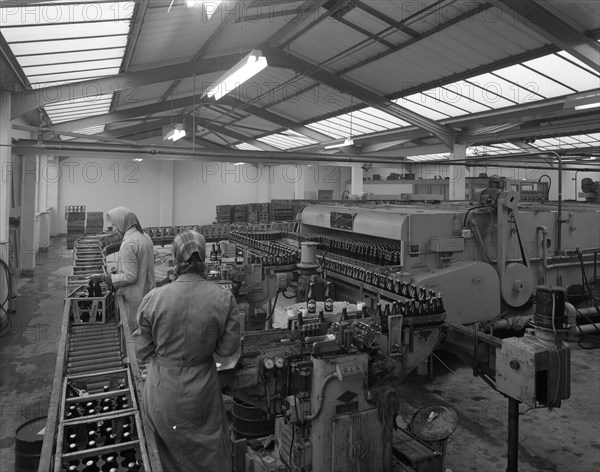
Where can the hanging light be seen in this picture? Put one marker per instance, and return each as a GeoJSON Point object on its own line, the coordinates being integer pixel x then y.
{"type": "Point", "coordinates": [248, 67]}
{"type": "Point", "coordinates": [173, 132]}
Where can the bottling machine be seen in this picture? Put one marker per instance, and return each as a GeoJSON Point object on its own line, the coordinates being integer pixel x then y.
{"type": "Point", "coordinates": [312, 386]}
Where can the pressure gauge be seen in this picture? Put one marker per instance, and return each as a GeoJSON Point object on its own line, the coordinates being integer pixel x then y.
{"type": "Point", "coordinates": [268, 363]}
{"type": "Point", "coordinates": [279, 362]}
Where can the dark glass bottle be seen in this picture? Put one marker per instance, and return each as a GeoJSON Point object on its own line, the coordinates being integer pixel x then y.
{"type": "Point", "coordinates": [311, 301]}
{"type": "Point", "coordinates": [110, 462]}
{"type": "Point", "coordinates": [213, 253]}
{"type": "Point", "coordinates": [321, 318]}
{"type": "Point", "coordinates": [328, 305]}
{"type": "Point", "coordinates": [91, 466]}
{"type": "Point", "coordinates": [383, 318]}
{"type": "Point", "coordinates": [74, 411]}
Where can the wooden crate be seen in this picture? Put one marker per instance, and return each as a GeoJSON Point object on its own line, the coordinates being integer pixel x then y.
{"type": "Point", "coordinates": [92, 310]}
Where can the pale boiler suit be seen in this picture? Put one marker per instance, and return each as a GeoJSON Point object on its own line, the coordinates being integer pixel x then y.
{"type": "Point", "coordinates": [135, 272]}
{"type": "Point", "coordinates": [181, 325]}
{"type": "Point", "coordinates": [135, 264]}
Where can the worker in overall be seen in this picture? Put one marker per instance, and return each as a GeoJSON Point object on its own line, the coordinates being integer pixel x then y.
{"type": "Point", "coordinates": [135, 264]}
{"type": "Point", "coordinates": [182, 324]}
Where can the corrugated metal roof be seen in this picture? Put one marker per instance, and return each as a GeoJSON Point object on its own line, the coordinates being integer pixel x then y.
{"type": "Point", "coordinates": [171, 37]}
{"type": "Point", "coordinates": [328, 40]}
{"type": "Point", "coordinates": [585, 17]}
{"type": "Point", "coordinates": [452, 50]}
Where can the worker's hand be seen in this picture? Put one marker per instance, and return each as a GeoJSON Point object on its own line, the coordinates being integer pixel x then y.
{"type": "Point", "coordinates": [97, 278]}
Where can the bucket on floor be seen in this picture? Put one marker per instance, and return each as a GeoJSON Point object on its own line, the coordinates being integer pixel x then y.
{"type": "Point", "coordinates": [434, 424]}
{"type": "Point", "coordinates": [28, 444]}
{"type": "Point", "coordinates": [250, 422]}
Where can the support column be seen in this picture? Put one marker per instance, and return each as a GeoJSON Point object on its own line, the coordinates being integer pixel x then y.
{"type": "Point", "coordinates": [28, 246]}
{"type": "Point", "coordinates": [299, 183]}
{"type": "Point", "coordinates": [356, 182]}
{"type": "Point", "coordinates": [6, 169]}
{"type": "Point", "coordinates": [52, 175]}
{"type": "Point", "coordinates": [166, 194]}
{"type": "Point", "coordinates": [457, 174]}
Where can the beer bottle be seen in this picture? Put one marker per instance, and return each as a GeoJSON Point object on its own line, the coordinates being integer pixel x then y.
{"type": "Point", "coordinates": [110, 463]}
{"type": "Point", "coordinates": [328, 298]}
{"type": "Point", "coordinates": [90, 466]}
{"type": "Point", "coordinates": [321, 318]}
{"type": "Point", "coordinates": [311, 301]}
{"type": "Point", "coordinates": [213, 253]}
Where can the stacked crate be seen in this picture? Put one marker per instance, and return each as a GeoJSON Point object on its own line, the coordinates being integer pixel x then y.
{"type": "Point", "coordinates": [281, 212]}
{"type": "Point", "coordinates": [75, 216]}
{"type": "Point", "coordinates": [224, 214]}
{"type": "Point", "coordinates": [94, 223]}
{"type": "Point", "coordinates": [240, 213]}
{"type": "Point", "coordinates": [264, 210]}
{"type": "Point", "coordinates": [253, 209]}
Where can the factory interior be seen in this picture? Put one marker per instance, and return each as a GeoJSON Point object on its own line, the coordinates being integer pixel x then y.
{"type": "Point", "coordinates": [401, 197]}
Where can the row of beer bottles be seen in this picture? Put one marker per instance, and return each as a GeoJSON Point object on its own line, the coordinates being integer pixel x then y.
{"type": "Point", "coordinates": [311, 301]}
{"type": "Point", "coordinates": [102, 433]}
{"type": "Point", "coordinates": [93, 407]}
{"type": "Point", "coordinates": [111, 462]}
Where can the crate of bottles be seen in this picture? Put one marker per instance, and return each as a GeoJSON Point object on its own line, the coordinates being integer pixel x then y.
{"type": "Point", "coordinates": [113, 443]}
{"type": "Point", "coordinates": [92, 395]}
{"type": "Point", "coordinates": [89, 305]}
{"type": "Point", "coordinates": [75, 282]}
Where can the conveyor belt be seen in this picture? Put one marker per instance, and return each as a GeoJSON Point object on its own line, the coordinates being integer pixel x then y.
{"type": "Point", "coordinates": [94, 348]}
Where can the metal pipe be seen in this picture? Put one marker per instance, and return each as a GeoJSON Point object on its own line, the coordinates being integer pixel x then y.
{"type": "Point", "coordinates": [321, 395]}
{"type": "Point", "coordinates": [24, 146]}
{"type": "Point", "coordinates": [544, 231]}
{"type": "Point", "coordinates": [579, 330]}
{"type": "Point", "coordinates": [512, 464]}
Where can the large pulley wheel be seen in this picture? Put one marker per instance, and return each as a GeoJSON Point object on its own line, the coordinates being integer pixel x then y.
{"type": "Point", "coordinates": [517, 285]}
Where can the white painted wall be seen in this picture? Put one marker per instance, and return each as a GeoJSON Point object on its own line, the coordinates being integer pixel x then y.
{"type": "Point", "coordinates": [102, 184]}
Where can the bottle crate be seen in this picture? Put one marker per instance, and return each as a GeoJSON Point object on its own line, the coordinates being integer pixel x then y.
{"type": "Point", "coordinates": [114, 385]}
{"type": "Point", "coordinates": [75, 282]}
{"type": "Point", "coordinates": [109, 441]}
{"type": "Point", "coordinates": [86, 309]}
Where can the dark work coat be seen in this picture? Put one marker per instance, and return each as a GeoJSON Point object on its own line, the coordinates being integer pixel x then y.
{"type": "Point", "coordinates": [181, 325]}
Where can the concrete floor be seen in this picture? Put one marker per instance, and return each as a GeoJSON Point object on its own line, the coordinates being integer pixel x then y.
{"type": "Point", "coordinates": [28, 349]}
{"type": "Point", "coordinates": [563, 440]}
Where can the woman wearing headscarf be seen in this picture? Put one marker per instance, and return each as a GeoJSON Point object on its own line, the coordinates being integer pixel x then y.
{"type": "Point", "coordinates": [182, 324]}
{"type": "Point", "coordinates": [135, 263]}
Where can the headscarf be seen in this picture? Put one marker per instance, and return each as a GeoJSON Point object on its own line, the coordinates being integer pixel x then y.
{"type": "Point", "coordinates": [186, 243]}
{"type": "Point", "coordinates": [123, 218]}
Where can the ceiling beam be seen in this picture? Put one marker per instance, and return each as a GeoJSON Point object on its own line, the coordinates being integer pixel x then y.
{"type": "Point", "coordinates": [280, 58]}
{"type": "Point", "coordinates": [556, 30]}
{"type": "Point", "coordinates": [227, 131]}
{"type": "Point", "coordinates": [127, 113]}
{"type": "Point", "coordinates": [274, 118]}
{"type": "Point", "coordinates": [130, 81]}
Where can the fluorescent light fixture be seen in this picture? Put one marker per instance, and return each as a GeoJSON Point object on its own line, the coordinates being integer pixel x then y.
{"type": "Point", "coordinates": [239, 164]}
{"type": "Point", "coordinates": [138, 159]}
{"type": "Point", "coordinates": [174, 132]}
{"type": "Point", "coordinates": [583, 100]}
{"type": "Point", "coordinates": [588, 105]}
{"type": "Point", "coordinates": [248, 67]}
{"type": "Point", "coordinates": [347, 142]}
